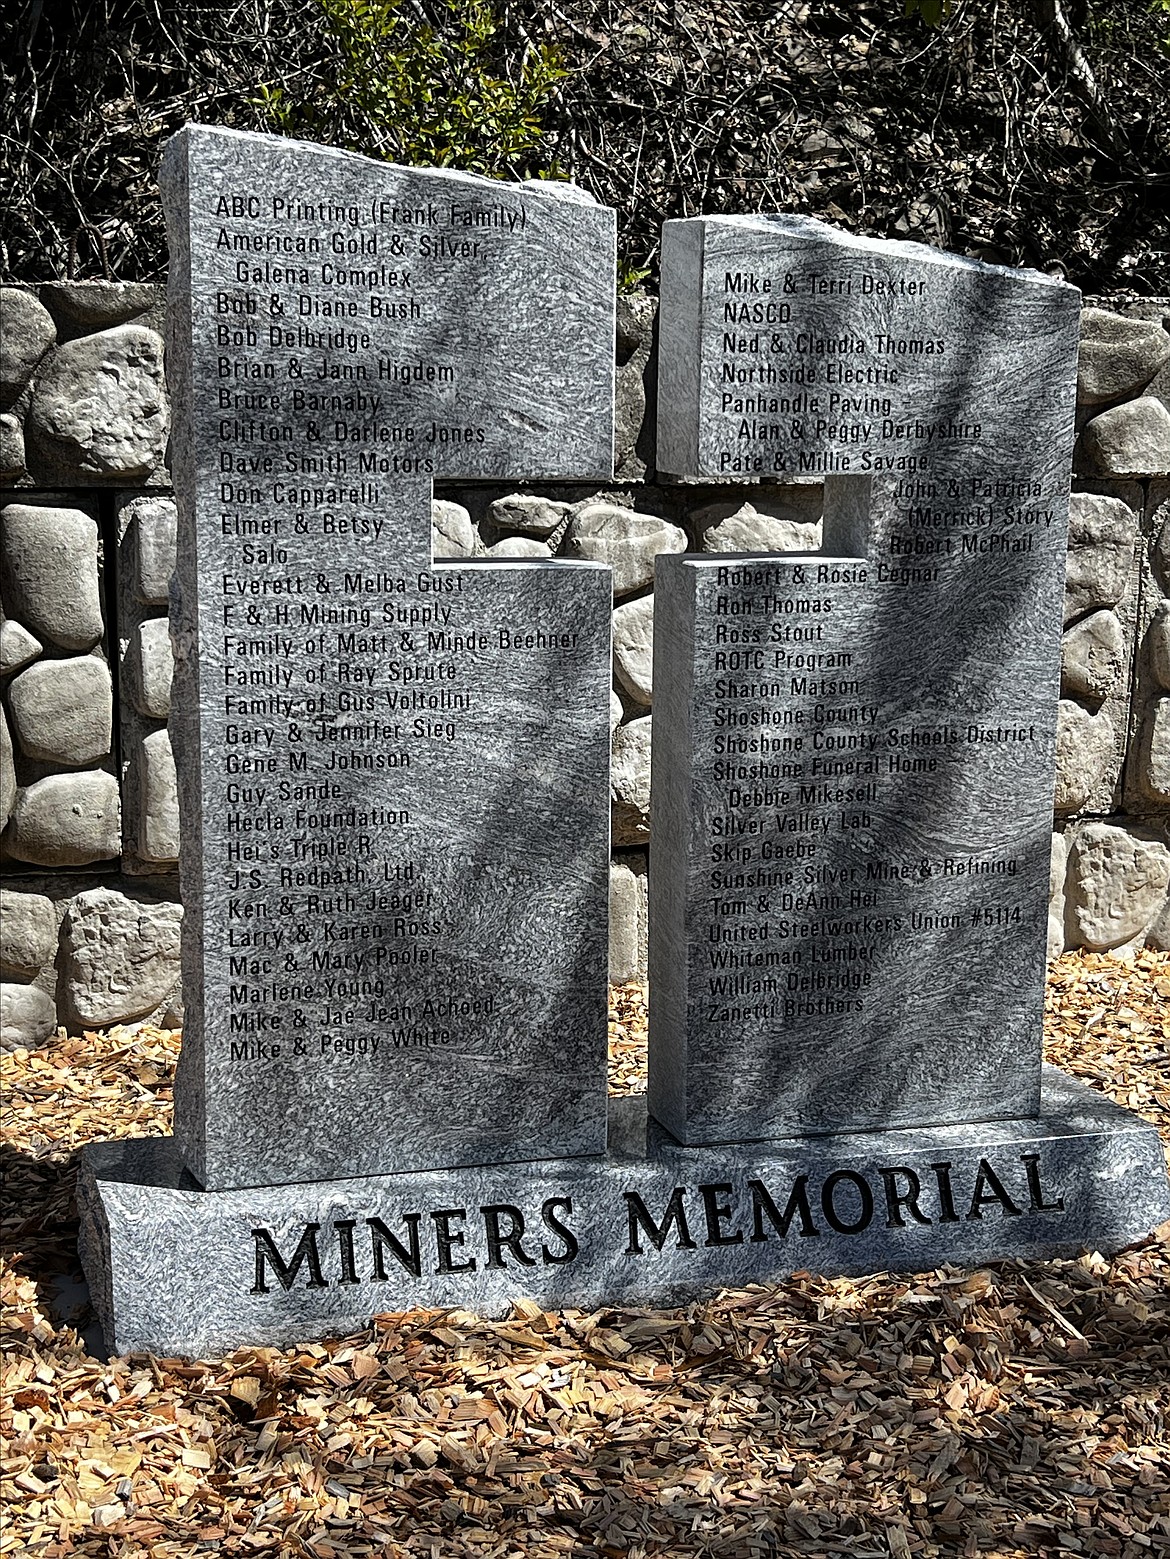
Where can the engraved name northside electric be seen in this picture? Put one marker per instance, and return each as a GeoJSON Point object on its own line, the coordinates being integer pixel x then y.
{"type": "Point", "coordinates": [498, 1236]}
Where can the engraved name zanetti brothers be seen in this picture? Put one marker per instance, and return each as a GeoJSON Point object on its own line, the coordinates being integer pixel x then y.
{"type": "Point", "coordinates": [865, 861]}
{"type": "Point", "coordinates": [370, 725]}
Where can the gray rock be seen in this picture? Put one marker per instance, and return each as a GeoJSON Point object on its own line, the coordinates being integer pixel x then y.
{"type": "Point", "coordinates": [1128, 440]}
{"type": "Point", "coordinates": [96, 305]}
{"type": "Point", "coordinates": [27, 1017]}
{"type": "Point", "coordinates": [12, 462]}
{"type": "Point", "coordinates": [154, 521]}
{"type": "Point", "coordinates": [1118, 356]}
{"type": "Point", "coordinates": [1092, 656]}
{"type": "Point", "coordinates": [1158, 645]}
{"type": "Point", "coordinates": [158, 799]}
{"type": "Point", "coordinates": [26, 334]}
{"type": "Point", "coordinates": [628, 542]}
{"type": "Point", "coordinates": [67, 820]}
{"type": "Point", "coordinates": [99, 409]}
{"type": "Point", "coordinates": [1117, 885]}
{"type": "Point", "coordinates": [1152, 759]}
{"type": "Point", "coordinates": [63, 710]}
{"type": "Point", "coordinates": [616, 714]}
{"type": "Point", "coordinates": [121, 956]}
{"type": "Point", "coordinates": [1158, 935]}
{"type": "Point", "coordinates": [628, 920]}
{"type": "Point", "coordinates": [7, 771]}
{"type": "Point", "coordinates": [1056, 875]}
{"type": "Point", "coordinates": [633, 417]}
{"type": "Point", "coordinates": [526, 512]}
{"type": "Point", "coordinates": [452, 533]}
{"type": "Point", "coordinates": [629, 783]}
{"type": "Point", "coordinates": [51, 556]}
{"type": "Point", "coordinates": [154, 668]}
{"type": "Point", "coordinates": [633, 648]}
{"type": "Point", "coordinates": [727, 527]}
{"type": "Point", "coordinates": [520, 547]}
{"type": "Point", "coordinates": [1101, 535]}
{"type": "Point", "coordinates": [28, 934]}
{"type": "Point", "coordinates": [1084, 745]}
{"type": "Point", "coordinates": [1160, 549]}
{"type": "Point", "coordinates": [17, 647]}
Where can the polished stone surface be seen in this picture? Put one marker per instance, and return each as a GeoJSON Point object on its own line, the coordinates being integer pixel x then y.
{"type": "Point", "coordinates": [853, 749]}
{"type": "Point", "coordinates": [177, 1270]}
{"type": "Point", "coordinates": [393, 774]}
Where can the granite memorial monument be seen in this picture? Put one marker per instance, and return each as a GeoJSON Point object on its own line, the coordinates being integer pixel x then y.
{"type": "Point", "coordinates": [306, 1191]}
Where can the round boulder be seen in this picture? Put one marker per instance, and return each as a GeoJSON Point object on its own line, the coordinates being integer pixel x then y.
{"type": "Point", "coordinates": [1117, 885]}
{"type": "Point", "coordinates": [1092, 656]}
{"type": "Point", "coordinates": [1084, 745]}
{"type": "Point", "coordinates": [601, 532]}
{"type": "Point", "coordinates": [633, 649]}
{"type": "Point", "coordinates": [1158, 645]}
{"type": "Point", "coordinates": [63, 710]}
{"type": "Point", "coordinates": [1132, 439]}
{"type": "Point", "coordinates": [1101, 533]}
{"type": "Point", "coordinates": [153, 668]}
{"type": "Point", "coordinates": [17, 647]}
{"type": "Point", "coordinates": [452, 533]}
{"type": "Point", "coordinates": [26, 334]}
{"type": "Point", "coordinates": [158, 799]}
{"type": "Point", "coordinates": [28, 934]}
{"type": "Point", "coordinates": [526, 512]}
{"type": "Point", "coordinates": [27, 1017]}
{"type": "Point", "coordinates": [52, 562]}
{"type": "Point", "coordinates": [121, 956]}
{"type": "Point", "coordinates": [67, 820]}
{"type": "Point", "coordinates": [7, 771]}
{"type": "Point", "coordinates": [12, 463]}
{"type": "Point", "coordinates": [520, 547]}
{"type": "Point", "coordinates": [1118, 355]}
{"type": "Point", "coordinates": [99, 408]}
{"type": "Point", "coordinates": [629, 783]}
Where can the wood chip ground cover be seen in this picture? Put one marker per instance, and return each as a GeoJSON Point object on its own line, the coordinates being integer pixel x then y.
{"type": "Point", "coordinates": [1017, 1409]}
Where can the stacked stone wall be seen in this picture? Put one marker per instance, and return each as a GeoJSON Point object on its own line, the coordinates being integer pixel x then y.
{"type": "Point", "coordinates": [89, 848]}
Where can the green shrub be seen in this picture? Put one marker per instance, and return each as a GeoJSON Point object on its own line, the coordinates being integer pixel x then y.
{"type": "Point", "coordinates": [426, 91]}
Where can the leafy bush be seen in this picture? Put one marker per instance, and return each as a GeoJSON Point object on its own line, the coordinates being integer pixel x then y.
{"type": "Point", "coordinates": [418, 92]}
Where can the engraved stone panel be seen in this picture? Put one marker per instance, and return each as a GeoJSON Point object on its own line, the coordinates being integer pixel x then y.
{"type": "Point", "coordinates": [853, 767]}
{"type": "Point", "coordinates": [392, 772]}
{"type": "Point", "coordinates": [173, 1270]}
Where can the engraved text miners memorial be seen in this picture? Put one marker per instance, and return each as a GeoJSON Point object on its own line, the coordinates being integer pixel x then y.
{"type": "Point", "coordinates": [392, 1088]}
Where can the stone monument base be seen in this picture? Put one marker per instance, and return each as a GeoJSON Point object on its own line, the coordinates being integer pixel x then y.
{"type": "Point", "coordinates": [174, 1269]}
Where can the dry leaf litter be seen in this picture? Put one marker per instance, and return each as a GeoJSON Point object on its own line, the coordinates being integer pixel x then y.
{"type": "Point", "coordinates": [1019, 1409]}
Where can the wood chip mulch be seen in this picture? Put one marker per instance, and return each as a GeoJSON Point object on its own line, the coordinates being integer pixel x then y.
{"type": "Point", "coordinates": [1019, 1409]}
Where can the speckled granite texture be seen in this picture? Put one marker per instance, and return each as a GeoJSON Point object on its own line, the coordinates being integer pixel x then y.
{"type": "Point", "coordinates": [853, 760]}
{"type": "Point", "coordinates": [393, 775]}
{"type": "Point", "coordinates": [177, 1270]}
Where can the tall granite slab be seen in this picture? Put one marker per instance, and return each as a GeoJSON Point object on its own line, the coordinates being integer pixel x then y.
{"type": "Point", "coordinates": [392, 773]}
{"type": "Point", "coordinates": [184, 1272]}
{"type": "Point", "coordinates": [853, 767]}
